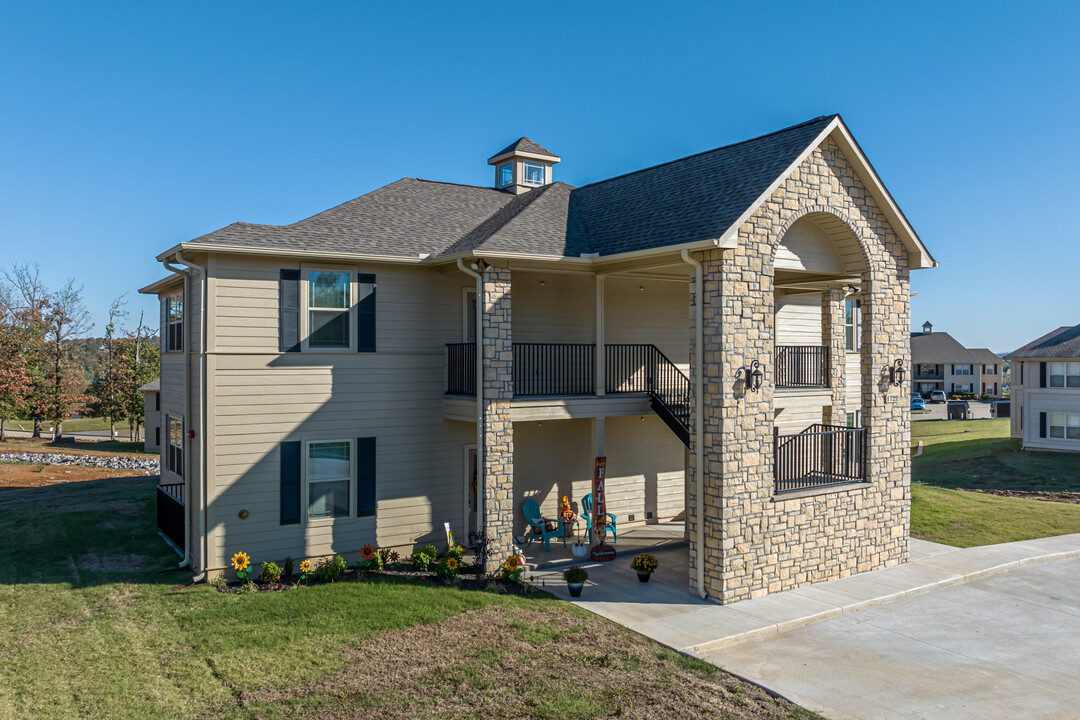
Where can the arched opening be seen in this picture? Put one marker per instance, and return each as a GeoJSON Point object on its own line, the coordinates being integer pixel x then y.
{"type": "Point", "coordinates": [820, 274]}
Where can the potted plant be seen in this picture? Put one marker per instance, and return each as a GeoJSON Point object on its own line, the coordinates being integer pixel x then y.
{"type": "Point", "coordinates": [575, 577]}
{"type": "Point", "coordinates": [644, 564]}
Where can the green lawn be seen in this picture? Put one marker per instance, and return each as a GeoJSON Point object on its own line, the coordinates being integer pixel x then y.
{"type": "Point", "coordinates": [980, 454]}
{"type": "Point", "coordinates": [90, 626]}
{"type": "Point", "coordinates": [70, 425]}
{"type": "Point", "coordinates": [966, 519]}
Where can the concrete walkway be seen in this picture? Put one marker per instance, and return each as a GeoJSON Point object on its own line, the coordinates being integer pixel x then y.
{"type": "Point", "coordinates": [664, 610]}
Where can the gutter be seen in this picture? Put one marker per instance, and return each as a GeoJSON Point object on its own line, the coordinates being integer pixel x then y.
{"type": "Point", "coordinates": [480, 480]}
{"type": "Point", "coordinates": [699, 419]}
{"type": "Point", "coordinates": [201, 406]}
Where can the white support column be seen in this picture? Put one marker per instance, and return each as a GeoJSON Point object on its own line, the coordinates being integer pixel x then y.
{"type": "Point", "coordinates": [601, 365]}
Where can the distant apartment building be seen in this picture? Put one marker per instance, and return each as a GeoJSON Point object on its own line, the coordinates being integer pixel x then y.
{"type": "Point", "coordinates": [1046, 391]}
{"type": "Point", "coordinates": [939, 362]}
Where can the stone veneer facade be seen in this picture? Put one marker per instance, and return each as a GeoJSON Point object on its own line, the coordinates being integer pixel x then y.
{"type": "Point", "coordinates": [755, 543]}
{"type": "Point", "coordinates": [498, 431]}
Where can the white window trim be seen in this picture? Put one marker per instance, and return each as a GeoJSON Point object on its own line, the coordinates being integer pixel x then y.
{"type": "Point", "coordinates": [169, 321]}
{"type": "Point", "coordinates": [307, 519]}
{"type": "Point", "coordinates": [498, 172]}
{"type": "Point", "coordinates": [1070, 369]}
{"type": "Point", "coordinates": [543, 173]}
{"type": "Point", "coordinates": [1065, 428]}
{"type": "Point", "coordinates": [305, 310]}
{"type": "Point", "coordinates": [855, 325]}
{"type": "Point", "coordinates": [164, 447]}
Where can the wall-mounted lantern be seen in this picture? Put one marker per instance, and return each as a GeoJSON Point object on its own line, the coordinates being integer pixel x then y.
{"type": "Point", "coordinates": [897, 372]}
{"type": "Point", "coordinates": [752, 376]}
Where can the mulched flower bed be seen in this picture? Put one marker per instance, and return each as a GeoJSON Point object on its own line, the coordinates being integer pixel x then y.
{"type": "Point", "coordinates": [469, 578]}
{"type": "Point", "coordinates": [1065, 497]}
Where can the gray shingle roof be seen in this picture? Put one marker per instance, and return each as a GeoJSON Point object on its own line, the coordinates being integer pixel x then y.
{"type": "Point", "coordinates": [696, 198]}
{"type": "Point", "coordinates": [524, 144]}
{"type": "Point", "coordinates": [938, 347]}
{"type": "Point", "coordinates": [1063, 343]}
{"type": "Point", "coordinates": [152, 386]}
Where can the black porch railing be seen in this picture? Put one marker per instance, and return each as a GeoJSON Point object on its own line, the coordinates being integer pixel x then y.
{"type": "Point", "coordinates": [461, 369]}
{"type": "Point", "coordinates": [554, 369]}
{"type": "Point", "coordinates": [802, 366]}
{"type": "Point", "coordinates": [820, 455]}
{"type": "Point", "coordinates": [170, 513]}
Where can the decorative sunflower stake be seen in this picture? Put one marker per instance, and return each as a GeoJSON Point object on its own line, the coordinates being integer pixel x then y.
{"type": "Point", "coordinates": [241, 564]}
{"type": "Point", "coordinates": [305, 568]}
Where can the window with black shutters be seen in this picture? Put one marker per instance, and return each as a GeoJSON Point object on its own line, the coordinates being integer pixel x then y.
{"type": "Point", "coordinates": [174, 322]}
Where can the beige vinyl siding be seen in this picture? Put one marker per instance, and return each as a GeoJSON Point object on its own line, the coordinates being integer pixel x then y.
{"type": "Point", "coordinates": [416, 308]}
{"type": "Point", "coordinates": [798, 320]}
{"type": "Point", "coordinates": [551, 459]}
{"type": "Point", "coordinates": [853, 381]}
{"type": "Point", "coordinates": [561, 310]}
{"type": "Point", "coordinates": [796, 410]}
{"type": "Point", "coordinates": [659, 314]}
{"type": "Point", "coordinates": [807, 247]}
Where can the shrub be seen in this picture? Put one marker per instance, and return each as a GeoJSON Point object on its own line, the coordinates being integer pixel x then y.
{"type": "Point", "coordinates": [644, 563]}
{"type": "Point", "coordinates": [288, 566]}
{"type": "Point", "coordinates": [448, 568]}
{"type": "Point", "coordinates": [218, 582]}
{"type": "Point", "coordinates": [249, 588]}
{"type": "Point", "coordinates": [511, 570]}
{"type": "Point", "coordinates": [370, 559]}
{"type": "Point", "coordinates": [330, 570]}
{"type": "Point", "coordinates": [389, 558]}
{"type": "Point", "coordinates": [431, 551]}
{"type": "Point", "coordinates": [271, 573]}
{"type": "Point", "coordinates": [455, 551]}
{"type": "Point", "coordinates": [421, 560]}
{"type": "Point", "coordinates": [575, 574]}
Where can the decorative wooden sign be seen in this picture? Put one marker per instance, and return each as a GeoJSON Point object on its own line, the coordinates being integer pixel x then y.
{"type": "Point", "coordinates": [602, 552]}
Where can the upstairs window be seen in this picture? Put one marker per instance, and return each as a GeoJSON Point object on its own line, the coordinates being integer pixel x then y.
{"type": "Point", "coordinates": [533, 173]}
{"type": "Point", "coordinates": [1064, 375]}
{"type": "Point", "coordinates": [506, 174]}
{"type": "Point", "coordinates": [1065, 426]}
{"type": "Point", "coordinates": [329, 299]}
{"type": "Point", "coordinates": [174, 456]}
{"type": "Point", "coordinates": [961, 369]}
{"type": "Point", "coordinates": [174, 320]}
{"type": "Point", "coordinates": [853, 325]}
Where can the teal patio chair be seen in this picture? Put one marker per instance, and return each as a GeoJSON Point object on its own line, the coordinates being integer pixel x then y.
{"type": "Point", "coordinates": [535, 521]}
{"type": "Point", "coordinates": [609, 525]}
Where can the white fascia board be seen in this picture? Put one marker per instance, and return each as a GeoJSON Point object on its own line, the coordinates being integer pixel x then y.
{"type": "Point", "coordinates": [166, 282]}
{"type": "Point", "coordinates": [553, 159]}
{"type": "Point", "coordinates": [304, 254]}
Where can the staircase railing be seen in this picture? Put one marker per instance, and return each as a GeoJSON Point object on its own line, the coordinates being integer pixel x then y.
{"type": "Point", "coordinates": [644, 368]}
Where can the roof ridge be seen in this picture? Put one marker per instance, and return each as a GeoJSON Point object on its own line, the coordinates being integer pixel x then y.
{"type": "Point", "coordinates": [715, 149]}
{"type": "Point", "coordinates": [498, 220]}
{"type": "Point", "coordinates": [457, 184]}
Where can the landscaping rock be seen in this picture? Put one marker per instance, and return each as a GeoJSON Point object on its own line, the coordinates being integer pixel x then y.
{"type": "Point", "coordinates": [116, 462]}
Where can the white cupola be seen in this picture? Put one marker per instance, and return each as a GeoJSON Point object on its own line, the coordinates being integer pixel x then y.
{"type": "Point", "coordinates": [927, 328]}
{"type": "Point", "coordinates": [522, 166]}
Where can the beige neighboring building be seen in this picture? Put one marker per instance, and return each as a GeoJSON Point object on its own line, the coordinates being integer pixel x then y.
{"type": "Point", "coordinates": [1045, 391]}
{"type": "Point", "coordinates": [940, 362]}
{"type": "Point", "coordinates": [152, 413]}
{"type": "Point", "coordinates": [719, 327]}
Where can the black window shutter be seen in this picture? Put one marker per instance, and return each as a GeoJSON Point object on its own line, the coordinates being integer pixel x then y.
{"type": "Point", "coordinates": [365, 313]}
{"type": "Point", "coordinates": [157, 436]}
{"type": "Point", "coordinates": [1042, 424]}
{"type": "Point", "coordinates": [290, 482]}
{"type": "Point", "coordinates": [289, 311]}
{"type": "Point", "coordinates": [1021, 373]}
{"type": "Point", "coordinates": [365, 476]}
{"type": "Point", "coordinates": [157, 402]}
{"type": "Point", "coordinates": [1042, 376]}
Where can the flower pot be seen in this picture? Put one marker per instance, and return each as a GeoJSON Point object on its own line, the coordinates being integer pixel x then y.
{"type": "Point", "coordinates": [643, 577]}
{"type": "Point", "coordinates": [580, 550]}
{"type": "Point", "coordinates": [575, 589]}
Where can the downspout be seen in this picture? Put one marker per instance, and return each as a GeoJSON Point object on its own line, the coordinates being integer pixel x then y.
{"type": "Point", "coordinates": [699, 419]}
{"type": "Point", "coordinates": [187, 393]}
{"type": "Point", "coordinates": [480, 484]}
{"type": "Point", "coordinates": [202, 407]}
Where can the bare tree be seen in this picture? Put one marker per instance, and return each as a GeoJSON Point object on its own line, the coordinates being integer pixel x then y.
{"type": "Point", "coordinates": [67, 319]}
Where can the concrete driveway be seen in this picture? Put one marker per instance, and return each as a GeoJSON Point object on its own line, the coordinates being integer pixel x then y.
{"type": "Point", "coordinates": [1002, 647]}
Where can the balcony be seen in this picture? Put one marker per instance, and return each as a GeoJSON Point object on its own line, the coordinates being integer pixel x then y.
{"type": "Point", "coordinates": [820, 456]}
{"type": "Point", "coordinates": [802, 366]}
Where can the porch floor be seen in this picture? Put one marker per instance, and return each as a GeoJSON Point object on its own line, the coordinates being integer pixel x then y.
{"type": "Point", "coordinates": [632, 540]}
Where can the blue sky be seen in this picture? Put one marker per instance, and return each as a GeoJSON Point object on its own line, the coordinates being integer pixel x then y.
{"type": "Point", "coordinates": [126, 127]}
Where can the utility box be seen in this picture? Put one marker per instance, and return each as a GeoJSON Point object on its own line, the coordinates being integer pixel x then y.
{"type": "Point", "coordinates": [1001, 409]}
{"type": "Point", "coordinates": [957, 410]}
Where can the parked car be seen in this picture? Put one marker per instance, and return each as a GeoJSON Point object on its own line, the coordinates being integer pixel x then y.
{"type": "Point", "coordinates": [938, 396]}
{"type": "Point", "coordinates": [917, 403]}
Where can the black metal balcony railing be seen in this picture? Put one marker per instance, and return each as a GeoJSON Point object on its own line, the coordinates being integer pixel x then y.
{"type": "Point", "coordinates": [554, 369]}
{"type": "Point", "coordinates": [461, 369]}
{"type": "Point", "coordinates": [170, 512]}
{"type": "Point", "coordinates": [802, 366]}
{"type": "Point", "coordinates": [819, 456]}
{"type": "Point", "coordinates": [643, 368]}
